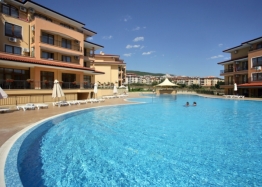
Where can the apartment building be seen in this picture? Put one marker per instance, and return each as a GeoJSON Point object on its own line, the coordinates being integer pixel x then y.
{"type": "Point", "coordinates": [131, 78]}
{"type": "Point", "coordinates": [114, 67]}
{"type": "Point", "coordinates": [209, 81]}
{"type": "Point", "coordinates": [39, 45]}
{"type": "Point", "coordinates": [244, 69]}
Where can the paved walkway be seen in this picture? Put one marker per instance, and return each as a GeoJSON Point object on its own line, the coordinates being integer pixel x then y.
{"type": "Point", "coordinates": [14, 121]}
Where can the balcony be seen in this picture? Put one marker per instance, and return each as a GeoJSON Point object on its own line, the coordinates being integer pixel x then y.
{"type": "Point", "coordinates": [241, 68]}
{"type": "Point", "coordinates": [24, 84]}
{"type": "Point", "coordinates": [62, 25]}
{"type": "Point", "coordinates": [59, 43]}
{"type": "Point", "coordinates": [226, 71]}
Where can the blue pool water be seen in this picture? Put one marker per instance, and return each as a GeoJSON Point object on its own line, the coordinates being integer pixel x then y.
{"type": "Point", "coordinates": [158, 143]}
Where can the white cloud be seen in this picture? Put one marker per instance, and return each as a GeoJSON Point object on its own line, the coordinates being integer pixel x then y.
{"type": "Point", "coordinates": [142, 47]}
{"type": "Point", "coordinates": [218, 56]}
{"type": "Point", "coordinates": [137, 39]}
{"type": "Point", "coordinates": [132, 46]}
{"type": "Point", "coordinates": [220, 45]}
{"type": "Point", "coordinates": [127, 18]}
{"type": "Point", "coordinates": [107, 37]}
{"type": "Point", "coordinates": [129, 46]}
{"type": "Point", "coordinates": [136, 29]}
{"type": "Point", "coordinates": [128, 54]}
{"type": "Point", "coordinates": [90, 38]}
{"type": "Point", "coordinates": [148, 53]}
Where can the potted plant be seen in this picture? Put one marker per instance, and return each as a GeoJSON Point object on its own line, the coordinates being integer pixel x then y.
{"type": "Point", "coordinates": [9, 80]}
{"type": "Point", "coordinates": [30, 80]}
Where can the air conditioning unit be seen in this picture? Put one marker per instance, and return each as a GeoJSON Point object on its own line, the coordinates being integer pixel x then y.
{"type": "Point", "coordinates": [258, 68]}
{"type": "Point", "coordinates": [12, 39]}
{"type": "Point", "coordinates": [26, 50]}
{"type": "Point", "coordinates": [31, 10]}
{"type": "Point", "coordinates": [76, 57]}
{"type": "Point", "coordinates": [50, 59]}
{"type": "Point", "coordinates": [237, 62]}
{"type": "Point", "coordinates": [33, 28]}
{"type": "Point", "coordinates": [23, 9]}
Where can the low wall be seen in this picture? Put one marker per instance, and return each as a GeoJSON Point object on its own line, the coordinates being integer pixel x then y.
{"type": "Point", "coordinates": [160, 92]}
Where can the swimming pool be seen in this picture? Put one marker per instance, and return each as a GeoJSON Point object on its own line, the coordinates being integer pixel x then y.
{"type": "Point", "coordinates": [158, 143]}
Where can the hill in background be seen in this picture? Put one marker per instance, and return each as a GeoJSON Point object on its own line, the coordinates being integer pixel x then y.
{"type": "Point", "coordinates": [141, 73]}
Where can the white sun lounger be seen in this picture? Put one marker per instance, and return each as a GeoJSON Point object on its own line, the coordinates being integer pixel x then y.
{"type": "Point", "coordinates": [61, 103]}
{"type": "Point", "coordinates": [4, 109]}
{"type": "Point", "coordinates": [81, 101]}
{"type": "Point", "coordinates": [41, 105]}
{"type": "Point", "coordinates": [26, 106]}
{"type": "Point", "coordinates": [73, 102]}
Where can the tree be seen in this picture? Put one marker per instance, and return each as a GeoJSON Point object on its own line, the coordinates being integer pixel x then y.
{"type": "Point", "coordinates": [218, 84]}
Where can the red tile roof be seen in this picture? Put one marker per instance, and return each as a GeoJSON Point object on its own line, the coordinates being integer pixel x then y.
{"type": "Point", "coordinates": [250, 84]}
{"type": "Point", "coordinates": [23, 59]}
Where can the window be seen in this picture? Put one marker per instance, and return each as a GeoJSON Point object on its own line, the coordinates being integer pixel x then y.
{"type": "Point", "coordinates": [13, 30]}
{"type": "Point", "coordinates": [47, 38]}
{"type": "Point", "coordinates": [257, 76]}
{"type": "Point", "coordinates": [66, 58]}
{"type": "Point", "coordinates": [13, 49]}
{"type": "Point", "coordinates": [10, 10]}
{"type": "Point", "coordinates": [47, 55]}
{"type": "Point", "coordinates": [259, 46]}
{"type": "Point", "coordinates": [66, 43]}
{"type": "Point", "coordinates": [257, 61]}
{"type": "Point", "coordinates": [47, 75]}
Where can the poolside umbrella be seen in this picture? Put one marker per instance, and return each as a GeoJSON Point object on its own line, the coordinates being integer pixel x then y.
{"type": "Point", "coordinates": [3, 95]}
{"type": "Point", "coordinates": [95, 89]}
{"type": "Point", "coordinates": [115, 90]}
{"type": "Point", "coordinates": [57, 90]}
{"type": "Point", "coordinates": [235, 87]}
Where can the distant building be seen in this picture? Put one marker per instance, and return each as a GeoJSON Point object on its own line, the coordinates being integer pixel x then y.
{"type": "Point", "coordinates": [112, 65]}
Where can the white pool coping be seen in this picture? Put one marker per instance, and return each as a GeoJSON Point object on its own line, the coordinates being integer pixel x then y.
{"type": "Point", "coordinates": [6, 147]}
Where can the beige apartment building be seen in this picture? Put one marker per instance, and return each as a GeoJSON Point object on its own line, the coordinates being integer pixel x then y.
{"type": "Point", "coordinates": [209, 81]}
{"type": "Point", "coordinates": [244, 69]}
{"type": "Point", "coordinates": [112, 65]}
{"type": "Point", "coordinates": [39, 45]}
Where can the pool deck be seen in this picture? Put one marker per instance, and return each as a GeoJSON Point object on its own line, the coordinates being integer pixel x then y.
{"type": "Point", "coordinates": [14, 121]}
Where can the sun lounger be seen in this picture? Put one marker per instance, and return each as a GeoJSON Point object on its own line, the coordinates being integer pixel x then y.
{"type": "Point", "coordinates": [73, 102]}
{"type": "Point", "coordinates": [4, 109]}
{"type": "Point", "coordinates": [41, 105]}
{"type": "Point", "coordinates": [26, 106]}
{"type": "Point", "coordinates": [81, 101]}
{"type": "Point", "coordinates": [61, 103]}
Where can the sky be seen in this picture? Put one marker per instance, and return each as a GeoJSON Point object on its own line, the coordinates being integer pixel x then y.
{"type": "Point", "coordinates": [179, 37]}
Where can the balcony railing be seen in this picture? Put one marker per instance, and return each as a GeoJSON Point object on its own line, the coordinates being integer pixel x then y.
{"type": "Point", "coordinates": [24, 84]}
{"type": "Point", "coordinates": [226, 71]}
{"type": "Point", "coordinates": [60, 43]}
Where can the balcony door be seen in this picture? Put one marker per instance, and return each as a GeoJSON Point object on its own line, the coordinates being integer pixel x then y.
{"type": "Point", "coordinates": [47, 79]}
{"type": "Point", "coordinates": [68, 80]}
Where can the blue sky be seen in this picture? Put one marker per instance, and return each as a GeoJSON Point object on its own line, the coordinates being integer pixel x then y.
{"type": "Point", "coordinates": [180, 37]}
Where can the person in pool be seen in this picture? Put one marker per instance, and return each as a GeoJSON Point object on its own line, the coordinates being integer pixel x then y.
{"type": "Point", "coordinates": [187, 104]}
{"type": "Point", "coordinates": [194, 104]}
